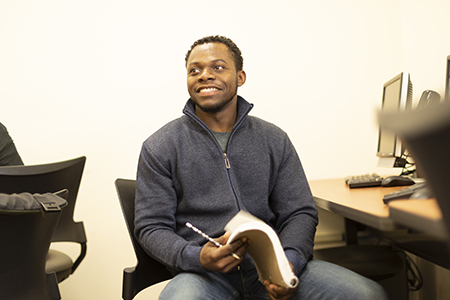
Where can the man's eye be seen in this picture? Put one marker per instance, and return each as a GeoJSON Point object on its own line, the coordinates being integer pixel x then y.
{"type": "Point", "coordinates": [219, 68]}
{"type": "Point", "coordinates": [194, 71]}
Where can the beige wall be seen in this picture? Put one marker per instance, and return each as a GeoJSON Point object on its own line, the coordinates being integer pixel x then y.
{"type": "Point", "coordinates": [96, 77]}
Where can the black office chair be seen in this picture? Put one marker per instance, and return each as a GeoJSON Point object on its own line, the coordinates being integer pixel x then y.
{"type": "Point", "coordinates": [426, 134]}
{"type": "Point", "coordinates": [25, 235]}
{"type": "Point", "coordinates": [147, 271]}
{"type": "Point", "coordinates": [53, 177]}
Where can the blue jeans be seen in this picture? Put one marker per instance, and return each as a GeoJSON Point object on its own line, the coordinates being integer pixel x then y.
{"type": "Point", "coordinates": [319, 280]}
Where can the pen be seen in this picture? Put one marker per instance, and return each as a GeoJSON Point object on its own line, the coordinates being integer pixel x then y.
{"type": "Point", "coordinates": [189, 225]}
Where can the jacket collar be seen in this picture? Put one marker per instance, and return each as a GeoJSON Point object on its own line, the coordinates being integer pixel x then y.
{"type": "Point", "coordinates": [243, 109]}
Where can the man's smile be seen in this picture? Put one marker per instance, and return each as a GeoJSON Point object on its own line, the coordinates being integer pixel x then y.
{"type": "Point", "coordinates": [204, 90]}
{"type": "Point", "coordinates": [207, 89]}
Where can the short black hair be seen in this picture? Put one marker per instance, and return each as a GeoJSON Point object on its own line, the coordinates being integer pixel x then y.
{"type": "Point", "coordinates": [235, 51]}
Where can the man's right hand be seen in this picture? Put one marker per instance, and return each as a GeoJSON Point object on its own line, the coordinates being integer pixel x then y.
{"type": "Point", "coordinates": [220, 259]}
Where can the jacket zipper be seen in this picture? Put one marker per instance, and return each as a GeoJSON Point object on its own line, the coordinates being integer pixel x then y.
{"type": "Point", "coordinates": [227, 162]}
{"type": "Point", "coordinates": [228, 166]}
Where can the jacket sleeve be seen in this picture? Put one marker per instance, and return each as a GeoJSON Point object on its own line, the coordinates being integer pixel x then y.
{"type": "Point", "coordinates": [155, 222]}
{"type": "Point", "coordinates": [8, 152]}
{"type": "Point", "coordinates": [292, 202]}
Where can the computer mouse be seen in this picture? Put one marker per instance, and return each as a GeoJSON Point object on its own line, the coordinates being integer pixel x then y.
{"type": "Point", "coordinates": [396, 181]}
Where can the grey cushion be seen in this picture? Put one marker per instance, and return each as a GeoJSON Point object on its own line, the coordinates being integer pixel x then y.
{"type": "Point", "coordinates": [57, 261]}
{"type": "Point", "coordinates": [27, 202]}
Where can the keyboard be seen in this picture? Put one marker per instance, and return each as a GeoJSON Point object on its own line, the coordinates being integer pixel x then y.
{"type": "Point", "coordinates": [417, 191]}
{"type": "Point", "coordinates": [361, 181]}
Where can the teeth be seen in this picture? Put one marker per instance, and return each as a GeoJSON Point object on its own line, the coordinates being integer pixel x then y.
{"type": "Point", "coordinates": [208, 90]}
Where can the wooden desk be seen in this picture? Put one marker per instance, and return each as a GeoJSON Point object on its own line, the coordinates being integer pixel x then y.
{"type": "Point", "coordinates": [363, 205]}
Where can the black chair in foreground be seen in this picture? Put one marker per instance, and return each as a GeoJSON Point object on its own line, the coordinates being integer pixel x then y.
{"type": "Point", "coordinates": [51, 178]}
{"type": "Point", "coordinates": [147, 271]}
{"type": "Point", "coordinates": [27, 222]}
{"type": "Point", "coordinates": [426, 134]}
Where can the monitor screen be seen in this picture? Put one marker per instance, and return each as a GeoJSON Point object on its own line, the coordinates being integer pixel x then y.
{"type": "Point", "coordinates": [397, 96]}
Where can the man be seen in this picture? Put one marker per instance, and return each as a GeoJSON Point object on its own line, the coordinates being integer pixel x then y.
{"type": "Point", "coordinates": [8, 152]}
{"type": "Point", "coordinates": [213, 162]}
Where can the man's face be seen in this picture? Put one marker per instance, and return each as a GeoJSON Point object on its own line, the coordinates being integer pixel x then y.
{"type": "Point", "coordinates": [212, 79]}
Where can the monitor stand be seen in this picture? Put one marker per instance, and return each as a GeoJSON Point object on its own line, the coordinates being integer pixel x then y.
{"type": "Point", "coordinates": [391, 162]}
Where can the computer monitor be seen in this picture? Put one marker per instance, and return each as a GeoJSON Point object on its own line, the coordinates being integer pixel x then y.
{"type": "Point", "coordinates": [397, 97]}
{"type": "Point", "coordinates": [447, 80]}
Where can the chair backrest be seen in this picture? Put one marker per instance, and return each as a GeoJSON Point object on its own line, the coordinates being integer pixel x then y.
{"type": "Point", "coordinates": [147, 271]}
{"type": "Point", "coordinates": [25, 240]}
{"type": "Point", "coordinates": [426, 133]}
{"type": "Point", "coordinates": [51, 178]}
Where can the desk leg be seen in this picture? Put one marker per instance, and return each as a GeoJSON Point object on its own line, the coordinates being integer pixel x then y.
{"type": "Point", "coordinates": [351, 232]}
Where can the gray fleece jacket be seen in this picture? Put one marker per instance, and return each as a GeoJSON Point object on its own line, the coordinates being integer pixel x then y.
{"type": "Point", "coordinates": [184, 176]}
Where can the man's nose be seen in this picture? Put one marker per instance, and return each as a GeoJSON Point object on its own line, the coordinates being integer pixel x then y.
{"type": "Point", "coordinates": [207, 74]}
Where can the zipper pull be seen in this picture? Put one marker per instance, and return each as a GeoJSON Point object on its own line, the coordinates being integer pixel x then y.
{"type": "Point", "coordinates": [227, 162]}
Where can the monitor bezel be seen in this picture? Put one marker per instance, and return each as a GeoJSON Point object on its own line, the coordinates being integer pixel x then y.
{"type": "Point", "coordinates": [405, 81]}
{"type": "Point", "coordinates": [447, 80]}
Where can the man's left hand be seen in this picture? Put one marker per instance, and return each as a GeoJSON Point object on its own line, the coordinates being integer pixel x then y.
{"type": "Point", "coordinates": [277, 292]}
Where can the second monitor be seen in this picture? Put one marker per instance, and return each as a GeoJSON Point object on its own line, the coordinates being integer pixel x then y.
{"type": "Point", "coordinates": [397, 96]}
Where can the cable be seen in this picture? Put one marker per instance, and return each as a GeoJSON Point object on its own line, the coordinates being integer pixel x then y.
{"type": "Point", "coordinates": [409, 167]}
{"type": "Point", "coordinates": [414, 276]}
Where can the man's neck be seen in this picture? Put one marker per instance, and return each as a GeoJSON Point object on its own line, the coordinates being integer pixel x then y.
{"type": "Point", "coordinates": [222, 121]}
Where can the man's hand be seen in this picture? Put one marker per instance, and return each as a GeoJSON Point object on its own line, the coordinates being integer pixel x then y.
{"type": "Point", "coordinates": [277, 292]}
{"type": "Point", "coordinates": [220, 259]}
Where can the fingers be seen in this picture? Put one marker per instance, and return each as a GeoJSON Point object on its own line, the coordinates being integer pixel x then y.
{"type": "Point", "coordinates": [238, 248]}
{"type": "Point", "coordinates": [223, 259]}
{"type": "Point", "coordinates": [233, 254]}
{"type": "Point", "coordinates": [224, 238]}
{"type": "Point", "coordinates": [277, 292]}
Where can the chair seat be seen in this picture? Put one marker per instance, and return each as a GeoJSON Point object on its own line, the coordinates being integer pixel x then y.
{"type": "Point", "coordinates": [60, 263]}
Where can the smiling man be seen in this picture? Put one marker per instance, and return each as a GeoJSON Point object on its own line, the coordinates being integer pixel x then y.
{"type": "Point", "coordinates": [209, 164]}
{"type": "Point", "coordinates": [213, 78]}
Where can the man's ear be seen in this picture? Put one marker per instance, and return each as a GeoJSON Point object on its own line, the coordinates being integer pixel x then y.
{"type": "Point", "coordinates": [241, 77]}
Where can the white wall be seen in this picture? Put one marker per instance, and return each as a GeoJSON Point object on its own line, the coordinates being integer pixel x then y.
{"type": "Point", "coordinates": [425, 28]}
{"type": "Point", "coordinates": [96, 77]}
